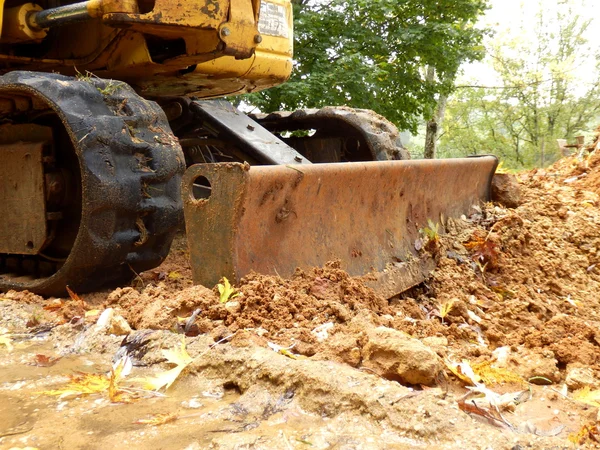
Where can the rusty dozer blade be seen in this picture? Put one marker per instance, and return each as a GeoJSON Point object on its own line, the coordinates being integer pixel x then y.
{"type": "Point", "coordinates": [274, 219]}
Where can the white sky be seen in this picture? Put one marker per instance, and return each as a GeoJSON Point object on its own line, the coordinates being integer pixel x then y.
{"type": "Point", "coordinates": [509, 17]}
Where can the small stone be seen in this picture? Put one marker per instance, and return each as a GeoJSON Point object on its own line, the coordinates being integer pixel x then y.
{"type": "Point", "coordinates": [506, 190]}
{"type": "Point", "coordinates": [119, 326]}
{"type": "Point", "coordinates": [192, 403]}
{"type": "Point", "coordinates": [232, 306]}
{"type": "Point", "coordinates": [580, 377]}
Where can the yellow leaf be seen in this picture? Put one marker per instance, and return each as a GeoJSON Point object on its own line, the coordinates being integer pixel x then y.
{"type": "Point", "coordinates": [116, 395]}
{"type": "Point", "coordinates": [493, 375]}
{"type": "Point", "coordinates": [588, 434]}
{"type": "Point", "coordinates": [446, 308]}
{"type": "Point", "coordinates": [587, 396]}
{"type": "Point", "coordinates": [175, 275]}
{"type": "Point", "coordinates": [226, 291]}
{"type": "Point", "coordinates": [180, 358]}
{"type": "Point", "coordinates": [83, 384]}
{"type": "Point", "coordinates": [7, 341]}
{"type": "Point", "coordinates": [92, 312]}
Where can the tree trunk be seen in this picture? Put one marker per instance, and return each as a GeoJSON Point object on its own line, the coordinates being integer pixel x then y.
{"type": "Point", "coordinates": [434, 126]}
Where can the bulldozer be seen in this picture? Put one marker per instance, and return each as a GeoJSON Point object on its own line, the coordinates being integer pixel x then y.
{"type": "Point", "coordinates": [105, 103]}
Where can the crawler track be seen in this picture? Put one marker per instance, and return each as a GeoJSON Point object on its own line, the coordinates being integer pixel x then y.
{"type": "Point", "coordinates": [123, 202]}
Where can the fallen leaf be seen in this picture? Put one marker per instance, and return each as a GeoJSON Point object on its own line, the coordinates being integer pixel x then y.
{"type": "Point", "coordinates": [493, 375]}
{"type": "Point", "coordinates": [73, 295]}
{"type": "Point", "coordinates": [92, 312]}
{"type": "Point", "coordinates": [446, 308]}
{"type": "Point", "coordinates": [44, 361]}
{"type": "Point", "coordinates": [54, 305]}
{"type": "Point", "coordinates": [587, 396]}
{"type": "Point", "coordinates": [114, 393]}
{"type": "Point", "coordinates": [82, 384]}
{"type": "Point", "coordinates": [180, 358]}
{"type": "Point", "coordinates": [175, 275]}
{"type": "Point", "coordinates": [226, 291]}
{"type": "Point", "coordinates": [158, 419]}
{"type": "Point", "coordinates": [588, 434]}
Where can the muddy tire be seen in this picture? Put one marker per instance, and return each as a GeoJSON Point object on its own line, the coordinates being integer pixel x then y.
{"type": "Point", "coordinates": [124, 173]}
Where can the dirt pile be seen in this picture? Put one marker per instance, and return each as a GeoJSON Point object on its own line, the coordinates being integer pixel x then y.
{"type": "Point", "coordinates": [516, 289]}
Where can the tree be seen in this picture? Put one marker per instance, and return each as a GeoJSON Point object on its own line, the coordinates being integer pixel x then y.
{"type": "Point", "coordinates": [543, 94]}
{"type": "Point", "coordinates": [373, 54]}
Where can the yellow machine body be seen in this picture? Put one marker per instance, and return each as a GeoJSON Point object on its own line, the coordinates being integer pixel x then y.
{"type": "Point", "coordinates": [205, 48]}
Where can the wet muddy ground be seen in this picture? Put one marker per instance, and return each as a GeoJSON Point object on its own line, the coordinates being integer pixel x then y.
{"type": "Point", "coordinates": [499, 348]}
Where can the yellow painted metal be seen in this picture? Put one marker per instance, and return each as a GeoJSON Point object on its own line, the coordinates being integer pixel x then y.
{"type": "Point", "coordinates": [98, 8]}
{"type": "Point", "coordinates": [198, 58]}
{"type": "Point", "coordinates": [170, 18]}
{"type": "Point", "coordinates": [15, 28]}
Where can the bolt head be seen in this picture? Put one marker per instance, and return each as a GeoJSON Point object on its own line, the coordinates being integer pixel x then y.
{"type": "Point", "coordinates": [298, 158]}
{"type": "Point", "coordinates": [225, 31]}
{"type": "Point", "coordinates": [258, 38]}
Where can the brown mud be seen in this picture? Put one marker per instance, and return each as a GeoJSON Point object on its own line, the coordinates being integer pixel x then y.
{"type": "Point", "coordinates": [322, 361]}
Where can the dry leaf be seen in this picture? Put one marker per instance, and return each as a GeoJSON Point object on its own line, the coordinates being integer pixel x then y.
{"type": "Point", "coordinates": [180, 358]}
{"type": "Point", "coordinates": [158, 419]}
{"type": "Point", "coordinates": [446, 308]}
{"type": "Point", "coordinates": [83, 384]}
{"type": "Point", "coordinates": [44, 361]}
{"type": "Point", "coordinates": [587, 435]}
{"type": "Point", "coordinates": [116, 395]}
{"type": "Point", "coordinates": [175, 275]}
{"type": "Point", "coordinates": [493, 375]}
{"type": "Point", "coordinates": [74, 296]}
{"type": "Point", "coordinates": [587, 396]}
{"type": "Point", "coordinates": [54, 305]}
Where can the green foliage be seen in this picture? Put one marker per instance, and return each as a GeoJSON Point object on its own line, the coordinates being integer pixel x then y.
{"type": "Point", "coordinates": [373, 54]}
{"type": "Point", "coordinates": [431, 231]}
{"type": "Point", "coordinates": [541, 95]}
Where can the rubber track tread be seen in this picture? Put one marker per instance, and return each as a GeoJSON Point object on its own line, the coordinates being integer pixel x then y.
{"type": "Point", "coordinates": [131, 205]}
{"type": "Point", "coordinates": [381, 135]}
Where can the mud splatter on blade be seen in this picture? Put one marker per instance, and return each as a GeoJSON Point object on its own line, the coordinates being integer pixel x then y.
{"type": "Point", "coordinates": [273, 219]}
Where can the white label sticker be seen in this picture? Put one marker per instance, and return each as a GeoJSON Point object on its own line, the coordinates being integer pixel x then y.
{"type": "Point", "coordinates": [273, 20]}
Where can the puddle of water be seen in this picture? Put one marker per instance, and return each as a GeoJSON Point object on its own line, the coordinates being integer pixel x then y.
{"type": "Point", "coordinates": [208, 414]}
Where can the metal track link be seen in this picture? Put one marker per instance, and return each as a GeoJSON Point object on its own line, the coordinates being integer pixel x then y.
{"type": "Point", "coordinates": [127, 189]}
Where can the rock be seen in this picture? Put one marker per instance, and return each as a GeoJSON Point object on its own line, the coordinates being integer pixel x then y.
{"type": "Point", "coordinates": [233, 306]}
{"type": "Point", "coordinates": [506, 190]}
{"type": "Point", "coordinates": [119, 326]}
{"type": "Point", "coordinates": [580, 377]}
{"type": "Point", "coordinates": [396, 356]}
